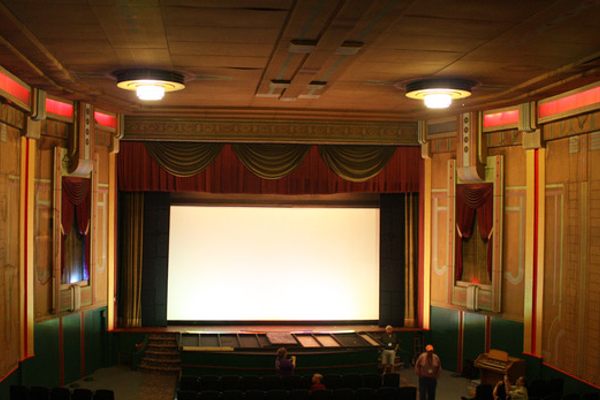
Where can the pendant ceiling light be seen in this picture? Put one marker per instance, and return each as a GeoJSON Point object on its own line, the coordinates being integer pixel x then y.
{"type": "Point", "coordinates": [439, 93]}
{"type": "Point", "coordinates": [149, 84]}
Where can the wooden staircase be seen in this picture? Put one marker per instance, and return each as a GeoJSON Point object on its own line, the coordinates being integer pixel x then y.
{"type": "Point", "coordinates": [161, 354]}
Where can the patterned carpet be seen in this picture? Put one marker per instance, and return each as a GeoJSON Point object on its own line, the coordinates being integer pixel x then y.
{"type": "Point", "coordinates": [130, 385]}
{"type": "Point", "coordinates": [157, 387]}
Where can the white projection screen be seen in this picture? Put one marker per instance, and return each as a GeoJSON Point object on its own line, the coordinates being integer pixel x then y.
{"type": "Point", "coordinates": [273, 264]}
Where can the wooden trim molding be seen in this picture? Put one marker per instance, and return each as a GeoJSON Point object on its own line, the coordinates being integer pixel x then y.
{"type": "Point", "coordinates": [26, 243]}
{"type": "Point", "coordinates": [264, 131]}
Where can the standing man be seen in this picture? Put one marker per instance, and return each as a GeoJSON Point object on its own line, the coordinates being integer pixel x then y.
{"type": "Point", "coordinates": [427, 368]}
{"type": "Point", "coordinates": [388, 355]}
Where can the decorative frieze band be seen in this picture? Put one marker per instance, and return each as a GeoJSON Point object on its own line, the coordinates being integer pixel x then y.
{"type": "Point", "coordinates": [262, 131]}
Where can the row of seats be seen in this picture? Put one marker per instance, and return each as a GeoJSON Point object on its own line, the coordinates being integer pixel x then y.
{"type": "Point", "coordinates": [538, 389]}
{"type": "Point", "coordinates": [383, 393]}
{"type": "Point", "coordinates": [20, 392]}
{"type": "Point", "coordinates": [270, 382]}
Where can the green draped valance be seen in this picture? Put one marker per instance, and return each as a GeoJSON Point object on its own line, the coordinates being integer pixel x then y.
{"type": "Point", "coordinates": [183, 158]}
{"type": "Point", "coordinates": [270, 161]}
{"type": "Point", "coordinates": [356, 163]}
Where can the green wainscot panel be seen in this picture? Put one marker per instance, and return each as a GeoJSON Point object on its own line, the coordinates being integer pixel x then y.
{"type": "Point", "coordinates": [72, 347]}
{"type": "Point", "coordinates": [263, 363]}
{"type": "Point", "coordinates": [507, 335]}
{"type": "Point", "coordinates": [96, 344]}
{"type": "Point", "coordinates": [473, 335]}
{"type": "Point", "coordinates": [43, 368]}
{"type": "Point", "coordinates": [444, 336]}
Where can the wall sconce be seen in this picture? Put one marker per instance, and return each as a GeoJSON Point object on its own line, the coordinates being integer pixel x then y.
{"type": "Point", "coordinates": [149, 84]}
{"type": "Point", "coordinates": [439, 93]}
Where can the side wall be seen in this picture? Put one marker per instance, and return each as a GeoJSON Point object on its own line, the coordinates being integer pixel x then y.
{"type": "Point", "coordinates": [571, 269]}
{"type": "Point", "coordinates": [67, 343]}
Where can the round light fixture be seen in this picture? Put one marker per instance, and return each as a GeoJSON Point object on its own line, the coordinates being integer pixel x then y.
{"type": "Point", "coordinates": [149, 84]}
{"type": "Point", "coordinates": [439, 93]}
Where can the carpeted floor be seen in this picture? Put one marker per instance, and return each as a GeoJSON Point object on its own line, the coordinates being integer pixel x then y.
{"type": "Point", "coordinates": [130, 385]}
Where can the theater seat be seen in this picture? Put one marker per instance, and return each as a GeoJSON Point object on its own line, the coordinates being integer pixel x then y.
{"type": "Point", "coordinates": [255, 394]}
{"type": "Point", "coordinates": [233, 394]}
{"type": "Point", "coordinates": [19, 392]}
{"type": "Point", "coordinates": [333, 381]}
{"type": "Point", "coordinates": [299, 394]}
{"type": "Point", "coordinates": [39, 393]}
{"type": "Point", "coordinates": [276, 394]}
{"type": "Point", "coordinates": [104, 394]}
{"type": "Point", "coordinates": [321, 395]}
{"type": "Point", "coordinates": [365, 393]}
{"type": "Point", "coordinates": [372, 381]}
{"type": "Point", "coordinates": [387, 393]}
{"type": "Point", "coordinates": [407, 393]}
{"type": "Point", "coordinates": [82, 394]}
{"type": "Point", "coordinates": [209, 382]}
{"type": "Point", "coordinates": [353, 381]}
{"type": "Point", "coordinates": [271, 382]}
{"type": "Point", "coordinates": [391, 380]}
{"type": "Point", "coordinates": [186, 395]}
{"type": "Point", "coordinates": [209, 395]}
{"type": "Point", "coordinates": [343, 394]}
{"type": "Point", "coordinates": [250, 383]}
{"type": "Point", "coordinates": [293, 382]}
{"type": "Point", "coordinates": [229, 382]}
{"type": "Point", "coordinates": [60, 393]}
{"type": "Point", "coordinates": [189, 382]}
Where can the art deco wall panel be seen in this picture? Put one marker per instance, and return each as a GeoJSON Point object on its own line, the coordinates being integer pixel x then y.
{"type": "Point", "coordinates": [571, 334]}
{"type": "Point", "coordinates": [9, 247]}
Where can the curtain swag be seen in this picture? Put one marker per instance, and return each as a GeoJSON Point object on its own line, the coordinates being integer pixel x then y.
{"type": "Point", "coordinates": [474, 200]}
{"type": "Point", "coordinates": [356, 163]}
{"type": "Point", "coordinates": [183, 158]}
{"type": "Point", "coordinates": [271, 161]}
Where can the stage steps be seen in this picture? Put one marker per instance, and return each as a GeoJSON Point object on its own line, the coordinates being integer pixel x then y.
{"type": "Point", "coordinates": [161, 354]}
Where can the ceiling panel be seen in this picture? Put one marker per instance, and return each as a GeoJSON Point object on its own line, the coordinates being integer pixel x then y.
{"type": "Point", "coordinates": [229, 51]}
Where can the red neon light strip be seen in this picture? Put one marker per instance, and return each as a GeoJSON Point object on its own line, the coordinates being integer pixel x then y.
{"type": "Point", "coordinates": [14, 88]}
{"type": "Point", "coordinates": [570, 103]}
{"type": "Point", "coordinates": [107, 120]}
{"type": "Point", "coordinates": [535, 250]}
{"type": "Point", "coordinates": [502, 118]}
{"type": "Point", "coordinates": [59, 108]}
{"type": "Point", "coordinates": [25, 258]}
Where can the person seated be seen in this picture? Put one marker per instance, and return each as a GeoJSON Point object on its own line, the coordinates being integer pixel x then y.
{"type": "Point", "coordinates": [284, 365]}
{"type": "Point", "coordinates": [518, 391]}
{"type": "Point", "coordinates": [316, 383]}
{"type": "Point", "coordinates": [500, 390]}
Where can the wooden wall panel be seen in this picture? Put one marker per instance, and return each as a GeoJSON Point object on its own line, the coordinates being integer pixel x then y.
{"type": "Point", "coordinates": [571, 334]}
{"type": "Point", "coordinates": [9, 248]}
{"type": "Point", "coordinates": [43, 223]}
{"type": "Point", "coordinates": [441, 251]}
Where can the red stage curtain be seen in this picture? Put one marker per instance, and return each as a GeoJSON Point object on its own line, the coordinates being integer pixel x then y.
{"type": "Point", "coordinates": [76, 204]}
{"type": "Point", "coordinates": [471, 200]}
{"type": "Point", "coordinates": [138, 171]}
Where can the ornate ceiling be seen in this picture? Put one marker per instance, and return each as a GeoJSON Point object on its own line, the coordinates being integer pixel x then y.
{"type": "Point", "coordinates": [303, 59]}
